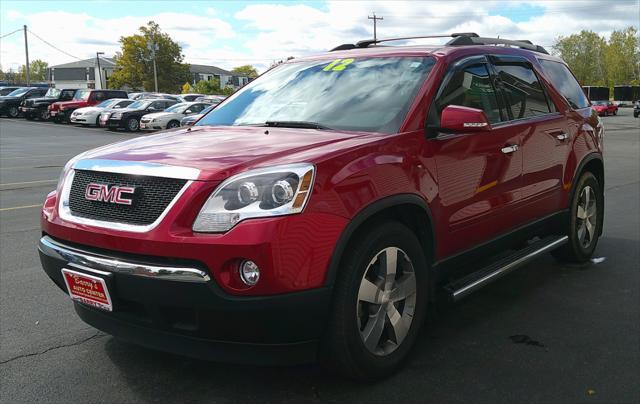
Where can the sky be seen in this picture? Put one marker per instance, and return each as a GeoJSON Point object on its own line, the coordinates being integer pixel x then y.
{"type": "Point", "coordinates": [233, 33]}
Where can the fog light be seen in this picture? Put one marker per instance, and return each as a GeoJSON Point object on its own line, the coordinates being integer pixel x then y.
{"type": "Point", "coordinates": [249, 272]}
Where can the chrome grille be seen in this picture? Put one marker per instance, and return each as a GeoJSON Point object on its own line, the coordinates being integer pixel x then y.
{"type": "Point", "coordinates": [151, 198]}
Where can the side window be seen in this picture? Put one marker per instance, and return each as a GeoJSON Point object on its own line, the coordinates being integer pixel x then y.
{"type": "Point", "coordinates": [67, 95]}
{"type": "Point", "coordinates": [566, 84]}
{"type": "Point", "coordinates": [471, 87]}
{"type": "Point", "coordinates": [99, 96]}
{"type": "Point", "coordinates": [522, 90]}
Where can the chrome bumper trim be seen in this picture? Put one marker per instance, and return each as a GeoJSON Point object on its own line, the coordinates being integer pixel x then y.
{"type": "Point", "coordinates": [94, 261]}
{"type": "Point", "coordinates": [138, 168]}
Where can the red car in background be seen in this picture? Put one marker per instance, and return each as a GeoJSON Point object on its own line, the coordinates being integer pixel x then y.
{"type": "Point", "coordinates": [61, 111]}
{"type": "Point", "coordinates": [605, 108]}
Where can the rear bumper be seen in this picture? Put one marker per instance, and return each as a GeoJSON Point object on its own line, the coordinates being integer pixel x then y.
{"type": "Point", "coordinates": [177, 307]}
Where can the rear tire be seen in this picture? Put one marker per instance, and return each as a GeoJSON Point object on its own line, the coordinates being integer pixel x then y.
{"type": "Point", "coordinates": [615, 112]}
{"type": "Point", "coordinates": [379, 304]}
{"type": "Point", "coordinates": [585, 222]}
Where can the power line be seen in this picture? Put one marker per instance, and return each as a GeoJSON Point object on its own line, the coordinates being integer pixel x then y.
{"type": "Point", "coordinates": [53, 46]}
{"type": "Point", "coordinates": [11, 33]}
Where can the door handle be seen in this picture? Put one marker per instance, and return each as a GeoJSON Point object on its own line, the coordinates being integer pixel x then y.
{"type": "Point", "coordinates": [562, 137]}
{"type": "Point", "coordinates": [509, 149]}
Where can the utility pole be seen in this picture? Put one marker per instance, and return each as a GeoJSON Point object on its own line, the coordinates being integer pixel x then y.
{"type": "Point", "coordinates": [26, 52]}
{"type": "Point", "coordinates": [153, 47]}
{"type": "Point", "coordinates": [99, 69]}
{"type": "Point", "coordinates": [375, 20]}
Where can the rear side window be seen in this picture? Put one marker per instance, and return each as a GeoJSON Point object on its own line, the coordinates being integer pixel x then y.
{"type": "Point", "coordinates": [565, 83]}
{"type": "Point", "coordinates": [522, 91]}
{"type": "Point", "coordinates": [471, 87]}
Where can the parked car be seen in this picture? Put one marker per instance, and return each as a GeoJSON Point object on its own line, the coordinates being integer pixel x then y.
{"type": "Point", "coordinates": [39, 107]}
{"type": "Point", "coordinates": [91, 115]}
{"type": "Point", "coordinates": [191, 97]}
{"type": "Point", "coordinates": [191, 119]}
{"type": "Point", "coordinates": [605, 108]}
{"type": "Point", "coordinates": [211, 99]}
{"type": "Point", "coordinates": [288, 226]}
{"type": "Point", "coordinates": [170, 117]}
{"type": "Point", "coordinates": [6, 90]}
{"type": "Point", "coordinates": [10, 103]}
{"type": "Point", "coordinates": [61, 111]}
{"type": "Point", "coordinates": [129, 118]}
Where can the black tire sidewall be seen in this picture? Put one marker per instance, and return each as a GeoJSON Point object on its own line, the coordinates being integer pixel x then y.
{"type": "Point", "coordinates": [348, 346]}
{"type": "Point", "coordinates": [174, 123]}
{"type": "Point", "coordinates": [129, 126]}
{"type": "Point", "coordinates": [11, 112]}
{"type": "Point", "coordinates": [580, 253]}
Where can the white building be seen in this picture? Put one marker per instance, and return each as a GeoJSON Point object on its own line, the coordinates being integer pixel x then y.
{"type": "Point", "coordinates": [227, 79]}
{"type": "Point", "coordinates": [81, 74]}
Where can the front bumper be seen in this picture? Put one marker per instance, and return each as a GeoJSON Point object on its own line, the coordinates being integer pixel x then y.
{"type": "Point", "coordinates": [150, 125]}
{"type": "Point", "coordinates": [115, 123]}
{"type": "Point", "coordinates": [174, 306]}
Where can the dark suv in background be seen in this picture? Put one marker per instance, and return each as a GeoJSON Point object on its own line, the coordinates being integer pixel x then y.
{"type": "Point", "coordinates": [39, 107]}
{"type": "Point", "coordinates": [10, 103]}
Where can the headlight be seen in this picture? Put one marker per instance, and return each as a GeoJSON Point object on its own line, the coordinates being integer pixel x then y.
{"type": "Point", "coordinates": [116, 115]}
{"type": "Point", "coordinates": [265, 192]}
{"type": "Point", "coordinates": [153, 120]}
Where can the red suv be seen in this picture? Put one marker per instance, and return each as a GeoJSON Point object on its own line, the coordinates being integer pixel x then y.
{"type": "Point", "coordinates": [61, 111]}
{"type": "Point", "coordinates": [319, 211]}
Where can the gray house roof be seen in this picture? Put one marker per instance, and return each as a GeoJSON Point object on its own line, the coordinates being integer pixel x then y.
{"type": "Point", "coordinates": [204, 69]}
{"type": "Point", "coordinates": [104, 63]}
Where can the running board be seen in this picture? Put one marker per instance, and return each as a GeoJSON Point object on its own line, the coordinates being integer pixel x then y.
{"type": "Point", "coordinates": [488, 274]}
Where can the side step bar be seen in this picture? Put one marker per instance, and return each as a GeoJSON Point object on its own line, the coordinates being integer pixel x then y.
{"type": "Point", "coordinates": [488, 274]}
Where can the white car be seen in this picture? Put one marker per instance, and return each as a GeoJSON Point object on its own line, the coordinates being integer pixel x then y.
{"type": "Point", "coordinates": [171, 117]}
{"type": "Point", "coordinates": [90, 115]}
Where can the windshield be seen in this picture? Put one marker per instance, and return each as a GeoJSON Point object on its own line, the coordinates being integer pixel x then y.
{"type": "Point", "coordinates": [18, 92]}
{"type": "Point", "coordinates": [142, 104]}
{"type": "Point", "coordinates": [178, 108]}
{"type": "Point", "coordinates": [52, 93]}
{"type": "Point", "coordinates": [106, 103]}
{"type": "Point", "coordinates": [82, 95]}
{"type": "Point", "coordinates": [364, 94]}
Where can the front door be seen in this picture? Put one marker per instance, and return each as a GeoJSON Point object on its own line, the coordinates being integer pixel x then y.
{"type": "Point", "coordinates": [479, 174]}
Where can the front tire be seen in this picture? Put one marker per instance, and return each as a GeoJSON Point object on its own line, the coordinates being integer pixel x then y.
{"type": "Point", "coordinates": [13, 112]}
{"type": "Point", "coordinates": [43, 115]}
{"type": "Point", "coordinates": [132, 125]}
{"type": "Point", "coordinates": [380, 302]}
{"type": "Point", "coordinates": [585, 224]}
{"type": "Point", "coordinates": [173, 124]}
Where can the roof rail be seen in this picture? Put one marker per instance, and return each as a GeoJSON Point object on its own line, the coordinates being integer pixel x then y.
{"type": "Point", "coordinates": [368, 42]}
{"type": "Point", "coordinates": [459, 39]}
{"type": "Point", "coordinates": [522, 44]}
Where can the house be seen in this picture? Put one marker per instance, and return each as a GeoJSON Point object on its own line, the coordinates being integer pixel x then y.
{"type": "Point", "coordinates": [81, 74]}
{"type": "Point", "coordinates": [227, 79]}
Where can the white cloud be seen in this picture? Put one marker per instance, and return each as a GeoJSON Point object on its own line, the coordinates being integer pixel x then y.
{"type": "Point", "coordinates": [265, 32]}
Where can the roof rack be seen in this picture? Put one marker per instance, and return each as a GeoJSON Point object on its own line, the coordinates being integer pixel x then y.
{"type": "Point", "coordinates": [522, 44]}
{"type": "Point", "coordinates": [459, 39]}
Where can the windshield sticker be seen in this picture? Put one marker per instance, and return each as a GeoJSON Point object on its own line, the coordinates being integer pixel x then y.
{"type": "Point", "coordinates": [338, 65]}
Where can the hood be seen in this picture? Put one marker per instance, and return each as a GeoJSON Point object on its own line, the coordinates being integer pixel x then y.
{"type": "Point", "coordinates": [7, 98]}
{"type": "Point", "coordinates": [84, 110]}
{"type": "Point", "coordinates": [160, 114]}
{"type": "Point", "coordinates": [70, 104]}
{"type": "Point", "coordinates": [221, 151]}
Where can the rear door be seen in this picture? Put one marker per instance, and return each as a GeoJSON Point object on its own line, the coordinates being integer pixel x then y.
{"type": "Point", "coordinates": [479, 173]}
{"type": "Point", "coordinates": [543, 133]}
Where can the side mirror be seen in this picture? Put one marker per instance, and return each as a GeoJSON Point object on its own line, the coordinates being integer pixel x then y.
{"type": "Point", "coordinates": [187, 112]}
{"type": "Point", "coordinates": [459, 119]}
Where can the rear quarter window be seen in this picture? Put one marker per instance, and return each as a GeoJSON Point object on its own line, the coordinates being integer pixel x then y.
{"type": "Point", "coordinates": [524, 95]}
{"type": "Point", "coordinates": [565, 83]}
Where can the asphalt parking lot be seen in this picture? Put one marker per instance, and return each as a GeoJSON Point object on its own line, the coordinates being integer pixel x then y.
{"type": "Point", "coordinates": [545, 333]}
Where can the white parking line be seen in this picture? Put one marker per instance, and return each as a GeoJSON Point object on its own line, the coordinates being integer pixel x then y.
{"type": "Point", "coordinates": [37, 156]}
{"type": "Point", "coordinates": [8, 184]}
{"type": "Point", "coordinates": [20, 207]}
{"type": "Point", "coordinates": [61, 126]}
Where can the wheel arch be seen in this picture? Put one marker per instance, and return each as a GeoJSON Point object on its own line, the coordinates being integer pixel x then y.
{"type": "Point", "coordinates": [409, 209]}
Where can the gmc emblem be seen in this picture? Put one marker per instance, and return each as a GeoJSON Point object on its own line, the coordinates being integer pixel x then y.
{"type": "Point", "coordinates": [106, 193]}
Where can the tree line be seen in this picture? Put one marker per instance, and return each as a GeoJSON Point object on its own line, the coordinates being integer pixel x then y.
{"type": "Point", "coordinates": [596, 61]}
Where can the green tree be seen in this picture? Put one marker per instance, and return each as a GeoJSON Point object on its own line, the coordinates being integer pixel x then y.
{"type": "Point", "coordinates": [622, 57]}
{"type": "Point", "coordinates": [584, 53]}
{"type": "Point", "coordinates": [37, 71]}
{"type": "Point", "coordinates": [246, 70]}
{"type": "Point", "coordinates": [134, 62]}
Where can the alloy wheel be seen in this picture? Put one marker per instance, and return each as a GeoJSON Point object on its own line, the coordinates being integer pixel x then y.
{"type": "Point", "coordinates": [132, 124]}
{"type": "Point", "coordinates": [587, 215]}
{"type": "Point", "coordinates": [386, 301]}
{"type": "Point", "coordinates": [13, 112]}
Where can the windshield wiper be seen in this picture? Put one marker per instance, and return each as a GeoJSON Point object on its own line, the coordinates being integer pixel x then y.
{"type": "Point", "coordinates": [296, 124]}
